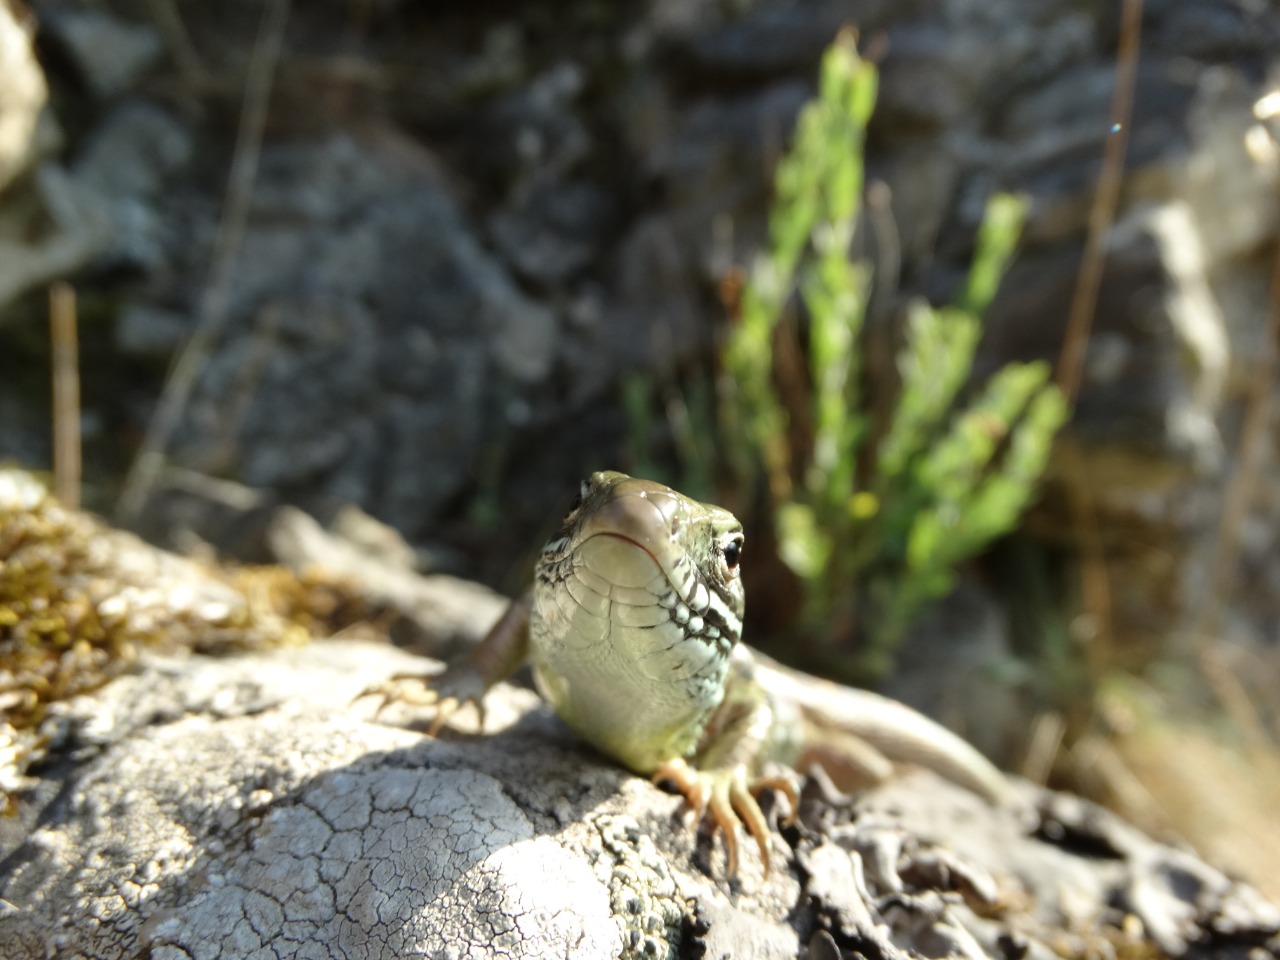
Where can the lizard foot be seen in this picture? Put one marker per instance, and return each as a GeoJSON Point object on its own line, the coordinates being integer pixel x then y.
{"type": "Point", "coordinates": [447, 693]}
{"type": "Point", "coordinates": [730, 800]}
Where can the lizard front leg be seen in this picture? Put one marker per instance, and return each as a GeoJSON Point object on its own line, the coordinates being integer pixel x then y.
{"type": "Point", "coordinates": [720, 782]}
{"type": "Point", "coordinates": [504, 648]}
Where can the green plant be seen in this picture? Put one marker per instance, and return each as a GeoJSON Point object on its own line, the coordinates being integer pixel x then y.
{"type": "Point", "coordinates": [898, 512]}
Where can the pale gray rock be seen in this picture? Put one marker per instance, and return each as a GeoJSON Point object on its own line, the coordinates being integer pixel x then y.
{"type": "Point", "coordinates": [22, 96]}
{"type": "Point", "coordinates": [49, 225]}
{"type": "Point", "coordinates": [436, 611]}
{"type": "Point", "coordinates": [247, 807]}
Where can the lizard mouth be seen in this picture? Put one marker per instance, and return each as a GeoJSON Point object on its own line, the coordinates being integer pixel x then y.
{"type": "Point", "coordinates": [649, 523]}
{"type": "Point", "coordinates": [641, 533]}
{"type": "Point", "coordinates": [637, 553]}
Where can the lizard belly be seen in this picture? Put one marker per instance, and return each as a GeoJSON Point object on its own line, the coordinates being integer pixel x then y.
{"type": "Point", "coordinates": [614, 663]}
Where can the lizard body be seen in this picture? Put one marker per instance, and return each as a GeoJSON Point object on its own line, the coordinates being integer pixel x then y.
{"type": "Point", "coordinates": [632, 627]}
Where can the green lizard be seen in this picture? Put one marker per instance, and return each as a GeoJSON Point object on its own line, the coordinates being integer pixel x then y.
{"type": "Point", "coordinates": [633, 625]}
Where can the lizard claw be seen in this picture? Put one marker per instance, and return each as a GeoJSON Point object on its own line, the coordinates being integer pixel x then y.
{"type": "Point", "coordinates": [447, 693]}
{"type": "Point", "coordinates": [730, 800]}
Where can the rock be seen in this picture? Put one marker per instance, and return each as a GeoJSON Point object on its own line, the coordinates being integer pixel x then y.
{"type": "Point", "coordinates": [769, 42]}
{"type": "Point", "coordinates": [370, 313]}
{"type": "Point", "coordinates": [1231, 176]}
{"type": "Point", "coordinates": [714, 168]}
{"type": "Point", "coordinates": [207, 806]}
{"type": "Point", "coordinates": [435, 612]}
{"type": "Point", "coordinates": [127, 162]}
{"type": "Point", "coordinates": [1055, 142]}
{"type": "Point", "coordinates": [534, 131]}
{"type": "Point", "coordinates": [110, 54]}
{"type": "Point", "coordinates": [556, 231]}
{"type": "Point", "coordinates": [1218, 30]}
{"type": "Point", "coordinates": [953, 665]}
{"type": "Point", "coordinates": [921, 180]}
{"type": "Point", "coordinates": [146, 331]}
{"type": "Point", "coordinates": [48, 231]}
{"type": "Point", "coordinates": [931, 76]}
{"type": "Point", "coordinates": [22, 97]}
{"type": "Point", "coordinates": [244, 811]}
{"type": "Point", "coordinates": [49, 225]}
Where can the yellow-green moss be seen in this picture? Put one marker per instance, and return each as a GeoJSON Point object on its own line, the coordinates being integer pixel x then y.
{"type": "Point", "coordinates": [78, 599]}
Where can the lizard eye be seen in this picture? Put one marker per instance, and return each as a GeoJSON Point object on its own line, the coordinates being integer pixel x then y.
{"type": "Point", "coordinates": [730, 557]}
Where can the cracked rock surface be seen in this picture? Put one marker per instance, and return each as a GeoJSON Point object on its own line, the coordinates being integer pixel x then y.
{"type": "Point", "coordinates": [243, 807]}
{"type": "Point", "coordinates": [254, 804]}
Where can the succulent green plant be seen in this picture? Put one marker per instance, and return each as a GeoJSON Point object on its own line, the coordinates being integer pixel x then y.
{"type": "Point", "coordinates": [946, 477]}
{"type": "Point", "coordinates": [881, 513]}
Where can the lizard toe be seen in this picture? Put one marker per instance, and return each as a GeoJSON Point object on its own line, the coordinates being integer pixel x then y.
{"type": "Point", "coordinates": [726, 798]}
{"type": "Point", "coordinates": [726, 818]}
{"type": "Point", "coordinates": [784, 784]}
{"type": "Point", "coordinates": [752, 817]}
{"type": "Point", "coordinates": [446, 693]}
{"type": "Point", "coordinates": [397, 689]}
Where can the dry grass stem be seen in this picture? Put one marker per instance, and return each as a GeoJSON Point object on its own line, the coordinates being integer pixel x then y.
{"type": "Point", "coordinates": [66, 394]}
{"type": "Point", "coordinates": [1102, 213]}
{"type": "Point", "coordinates": [1047, 733]}
{"type": "Point", "coordinates": [213, 310]}
{"type": "Point", "coordinates": [178, 39]}
{"type": "Point", "coordinates": [1094, 583]}
{"type": "Point", "coordinates": [265, 337]}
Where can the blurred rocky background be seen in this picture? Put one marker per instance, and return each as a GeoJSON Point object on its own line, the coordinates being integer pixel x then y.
{"type": "Point", "coordinates": [467, 224]}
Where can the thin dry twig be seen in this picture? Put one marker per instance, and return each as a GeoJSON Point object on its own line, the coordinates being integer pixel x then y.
{"type": "Point", "coordinates": [185, 56]}
{"type": "Point", "coordinates": [66, 394]}
{"type": "Point", "coordinates": [263, 343]}
{"type": "Point", "coordinates": [213, 309]}
{"type": "Point", "coordinates": [1102, 213]}
{"type": "Point", "coordinates": [1094, 583]}
{"type": "Point", "coordinates": [1048, 731]}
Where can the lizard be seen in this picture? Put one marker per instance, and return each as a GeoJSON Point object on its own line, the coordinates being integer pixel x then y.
{"type": "Point", "coordinates": [633, 629]}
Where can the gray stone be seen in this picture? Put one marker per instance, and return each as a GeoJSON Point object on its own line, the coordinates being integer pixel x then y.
{"type": "Point", "coordinates": [134, 150]}
{"type": "Point", "coordinates": [953, 664]}
{"type": "Point", "coordinates": [536, 130]}
{"type": "Point", "coordinates": [932, 77]}
{"type": "Point", "coordinates": [109, 53]}
{"type": "Point", "coordinates": [1231, 175]}
{"type": "Point", "coordinates": [921, 180]}
{"type": "Point", "coordinates": [148, 331]}
{"type": "Point", "coordinates": [48, 231]}
{"type": "Point", "coordinates": [1228, 31]}
{"type": "Point", "coordinates": [767, 42]}
{"type": "Point", "coordinates": [375, 328]}
{"type": "Point", "coordinates": [554, 232]}
{"type": "Point", "coordinates": [127, 162]}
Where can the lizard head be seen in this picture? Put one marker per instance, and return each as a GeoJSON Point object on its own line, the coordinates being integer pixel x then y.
{"type": "Point", "coordinates": [620, 528]}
